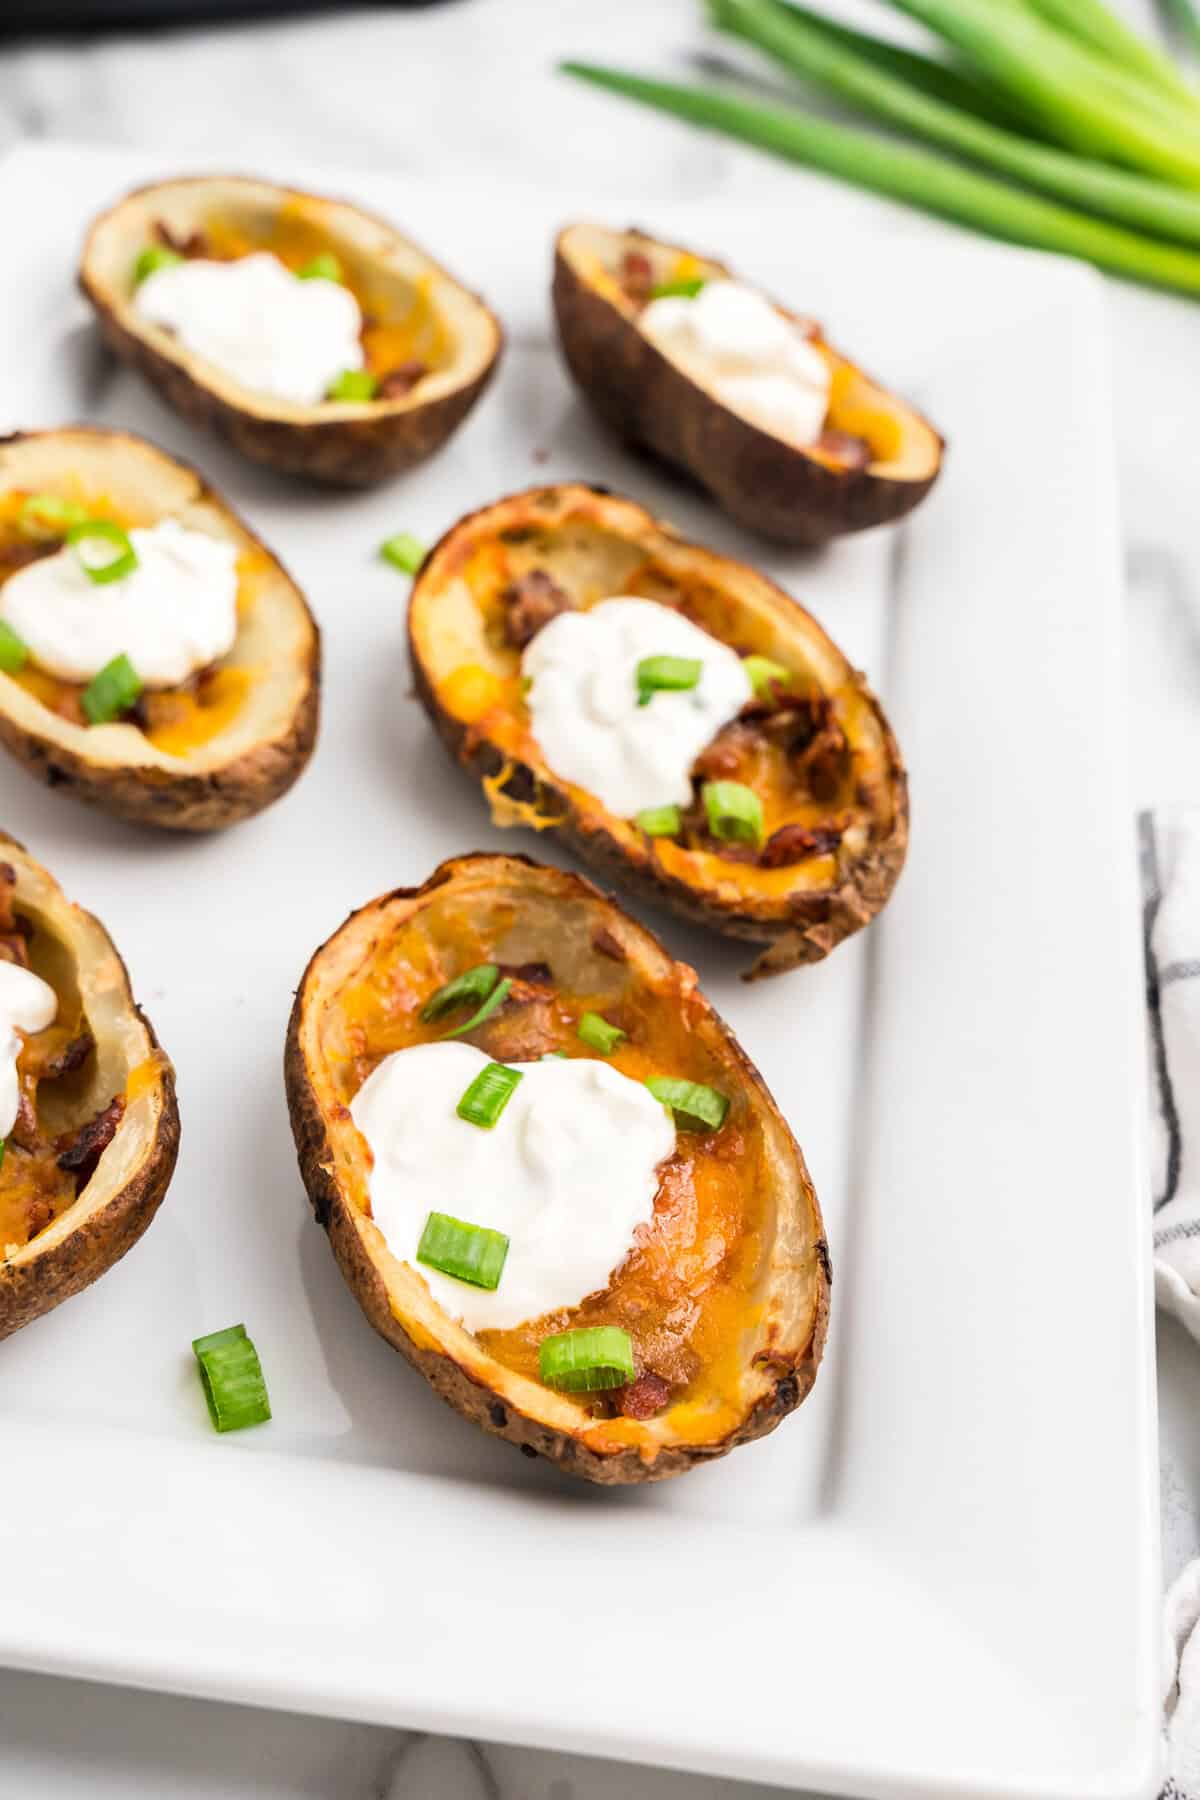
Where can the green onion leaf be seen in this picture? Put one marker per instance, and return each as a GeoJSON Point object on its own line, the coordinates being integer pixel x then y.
{"type": "Point", "coordinates": [765, 676]}
{"type": "Point", "coordinates": [734, 812]}
{"type": "Point", "coordinates": [598, 1034]}
{"type": "Point", "coordinates": [488, 1095]}
{"type": "Point", "coordinates": [103, 550]}
{"type": "Point", "coordinates": [14, 652]}
{"type": "Point", "coordinates": [111, 692]}
{"type": "Point", "coordinates": [325, 267]}
{"type": "Point", "coordinates": [491, 1005]}
{"type": "Point", "coordinates": [48, 516]}
{"type": "Point", "coordinates": [404, 552]}
{"type": "Point", "coordinates": [472, 985]}
{"type": "Point", "coordinates": [232, 1378]}
{"type": "Point", "coordinates": [153, 258]}
{"type": "Point", "coordinates": [3, 1148]}
{"type": "Point", "coordinates": [587, 1359]}
{"type": "Point", "coordinates": [660, 821]}
{"type": "Point", "coordinates": [696, 1107]}
{"type": "Point", "coordinates": [352, 384]}
{"type": "Point", "coordinates": [668, 674]}
{"type": "Point", "coordinates": [685, 289]}
{"type": "Point", "coordinates": [468, 1252]}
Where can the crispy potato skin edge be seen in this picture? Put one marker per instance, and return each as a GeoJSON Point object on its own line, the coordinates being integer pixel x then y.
{"type": "Point", "coordinates": [38, 1286]}
{"type": "Point", "coordinates": [764, 484]}
{"type": "Point", "coordinates": [460, 1390]}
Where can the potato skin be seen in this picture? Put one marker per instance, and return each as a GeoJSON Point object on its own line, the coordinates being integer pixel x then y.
{"type": "Point", "coordinates": [763, 483]}
{"type": "Point", "coordinates": [35, 1286]}
{"type": "Point", "coordinates": [485, 1403]}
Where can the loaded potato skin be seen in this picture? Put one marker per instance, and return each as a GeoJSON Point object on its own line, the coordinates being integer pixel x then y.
{"type": "Point", "coordinates": [721, 1357]}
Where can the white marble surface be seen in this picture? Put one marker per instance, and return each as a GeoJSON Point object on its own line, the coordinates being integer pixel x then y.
{"type": "Point", "coordinates": [469, 90]}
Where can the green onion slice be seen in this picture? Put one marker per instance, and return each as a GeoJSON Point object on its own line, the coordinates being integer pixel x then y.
{"type": "Point", "coordinates": [598, 1034]}
{"type": "Point", "coordinates": [153, 258]}
{"type": "Point", "coordinates": [591, 1357]}
{"type": "Point", "coordinates": [352, 384]}
{"type": "Point", "coordinates": [491, 1005]}
{"type": "Point", "coordinates": [103, 550]}
{"type": "Point", "coordinates": [468, 1252]}
{"type": "Point", "coordinates": [232, 1378]}
{"type": "Point", "coordinates": [49, 516]}
{"type": "Point", "coordinates": [325, 267]}
{"type": "Point", "coordinates": [686, 289]}
{"type": "Point", "coordinates": [488, 1095]}
{"type": "Point", "coordinates": [734, 812]}
{"type": "Point", "coordinates": [3, 1148]}
{"type": "Point", "coordinates": [404, 552]}
{"type": "Point", "coordinates": [660, 821]}
{"type": "Point", "coordinates": [696, 1107]}
{"type": "Point", "coordinates": [14, 652]}
{"type": "Point", "coordinates": [671, 674]}
{"type": "Point", "coordinates": [111, 692]}
{"type": "Point", "coordinates": [472, 985]}
{"type": "Point", "coordinates": [765, 676]}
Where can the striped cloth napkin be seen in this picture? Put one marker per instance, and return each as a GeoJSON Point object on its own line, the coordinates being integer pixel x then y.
{"type": "Point", "coordinates": [1170, 860]}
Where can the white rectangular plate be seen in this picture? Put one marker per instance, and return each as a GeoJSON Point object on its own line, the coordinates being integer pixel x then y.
{"type": "Point", "coordinates": [940, 1576]}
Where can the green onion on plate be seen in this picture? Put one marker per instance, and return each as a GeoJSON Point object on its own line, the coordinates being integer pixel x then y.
{"type": "Point", "coordinates": [232, 1378]}
{"type": "Point", "coordinates": [153, 258]}
{"type": "Point", "coordinates": [598, 1034]}
{"type": "Point", "coordinates": [404, 552]}
{"type": "Point", "coordinates": [357, 385]}
{"type": "Point", "coordinates": [103, 550]}
{"type": "Point", "coordinates": [695, 1106]}
{"type": "Point", "coordinates": [587, 1359]}
{"type": "Point", "coordinates": [491, 1005]}
{"type": "Point", "coordinates": [660, 821]}
{"type": "Point", "coordinates": [49, 516]}
{"type": "Point", "coordinates": [734, 812]}
{"type": "Point", "coordinates": [686, 288]}
{"type": "Point", "coordinates": [471, 1253]}
{"type": "Point", "coordinates": [666, 674]}
{"type": "Point", "coordinates": [325, 267]}
{"type": "Point", "coordinates": [14, 652]}
{"type": "Point", "coordinates": [111, 692]}
{"type": "Point", "coordinates": [765, 676]}
{"type": "Point", "coordinates": [488, 1095]}
{"type": "Point", "coordinates": [472, 986]}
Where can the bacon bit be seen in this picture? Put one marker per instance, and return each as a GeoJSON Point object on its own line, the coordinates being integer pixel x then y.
{"type": "Point", "coordinates": [72, 1056]}
{"type": "Point", "coordinates": [637, 276]}
{"type": "Point", "coordinates": [18, 553]}
{"type": "Point", "coordinates": [194, 244]}
{"type": "Point", "coordinates": [402, 380]}
{"type": "Point", "coordinates": [796, 843]}
{"type": "Point", "coordinates": [605, 944]}
{"type": "Point", "coordinates": [526, 975]}
{"type": "Point", "coordinates": [83, 1152]}
{"type": "Point", "coordinates": [645, 1396]}
{"type": "Point", "coordinates": [728, 750]}
{"type": "Point", "coordinates": [531, 602]}
{"type": "Point", "coordinates": [849, 451]}
{"type": "Point", "coordinates": [38, 1215]}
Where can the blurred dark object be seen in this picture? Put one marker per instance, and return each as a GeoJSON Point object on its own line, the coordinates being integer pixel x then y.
{"type": "Point", "coordinates": [29, 16]}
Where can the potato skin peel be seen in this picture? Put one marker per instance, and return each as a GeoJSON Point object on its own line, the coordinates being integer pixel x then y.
{"type": "Point", "coordinates": [488, 1394]}
{"type": "Point", "coordinates": [810, 923]}
{"type": "Point", "coordinates": [176, 798]}
{"type": "Point", "coordinates": [769, 486]}
{"type": "Point", "coordinates": [60, 1263]}
{"type": "Point", "coordinates": [355, 449]}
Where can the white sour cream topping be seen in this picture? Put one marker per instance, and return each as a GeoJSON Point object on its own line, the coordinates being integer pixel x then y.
{"type": "Point", "coordinates": [260, 323]}
{"type": "Point", "coordinates": [568, 1173]}
{"type": "Point", "coordinates": [175, 613]}
{"type": "Point", "coordinates": [27, 1003]}
{"type": "Point", "coordinates": [583, 701]}
{"type": "Point", "coordinates": [736, 345]}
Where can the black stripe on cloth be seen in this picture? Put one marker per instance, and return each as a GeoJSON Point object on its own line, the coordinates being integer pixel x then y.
{"type": "Point", "coordinates": [1152, 898]}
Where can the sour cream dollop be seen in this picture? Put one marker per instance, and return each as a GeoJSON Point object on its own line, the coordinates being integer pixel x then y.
{"type": "Point", "coordinates": [27, 1003]}
{"type": "Point", "coordinates": [175, 613]}
{"type": "Point", "coordinates": [260, 323]}
{"type": "Point", "coordinates": [583, 701]}
{"type": "Point", "coordinates": [568, 1173]}
{"type": "Point", "coordinates": [739, 347]}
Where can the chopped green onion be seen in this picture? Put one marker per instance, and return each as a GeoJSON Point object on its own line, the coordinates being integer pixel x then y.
{"type": "Point", "coordinates": [586, 1359]}
{"type": "Point", "coordinates": [46, 515]}
{"type": "Point", "coordinates": [660, 821]}
{"type": "Point", "coordinates": [111, 692]}
{"type": "Point", "coordinates": [491, 1005]}
{"type": "Point", "coordinates": [352, 384]}
{"type": "Point", "coordinates": [668, 674]}
{"type": "Point", "coordinates": [468, 1252]}
{"type": "Point", "coordinates": [325, 267]}
{"type": "Point", "coordinates": [103, 550]}
{"type": "Point", "coordinates": [684, 289]}
{"type": "Point", "coordinates": [153, 258]}
{"type": "Point", "coordinates": [489, 1094]}
{"type": "Point", "coordinates": [734, 812]}
{"type": "Point", "coordinates": [3, 1148]}
{"type": "Point", "coordinates": [14, 652]}
{"type": "Point", "coordinates": [696, 1107]}
{"type": "Point", "coordinates": [472, 985]}
{"type": "Point", "coordinates": [598, 1034]}
{"type": "Point", "coordinates": [765, 676]}
{"type": "Point", "coordinates": [404, 552]}
{"type": "Point", "coordinates": [232, 1378]}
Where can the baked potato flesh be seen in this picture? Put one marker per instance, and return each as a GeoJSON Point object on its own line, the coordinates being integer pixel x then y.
{"type": "Point", "coordinates": [816, 748]}
{"type": "Point", "coordinates": [724, 1294]}
{"type": "Point", "coordinates": [212, 750]}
